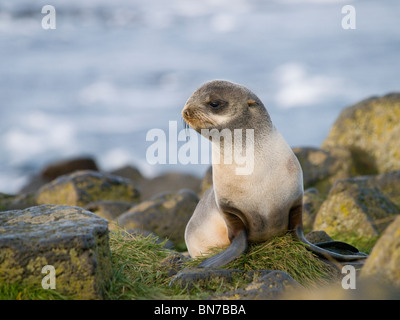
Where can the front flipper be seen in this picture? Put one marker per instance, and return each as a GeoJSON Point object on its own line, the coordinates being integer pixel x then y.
{"type": "Point", "coordinates": [235, 249]}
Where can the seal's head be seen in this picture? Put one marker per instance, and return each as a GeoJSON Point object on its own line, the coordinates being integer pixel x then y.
{"type": "Point", "coordinates": [221, 104]}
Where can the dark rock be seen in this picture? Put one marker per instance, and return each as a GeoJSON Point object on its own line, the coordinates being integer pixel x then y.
{"type": "Point", "coordinates": [174, 263]}
{"type": "Point", "coordinates": [318, 236]}
{"type": "Point", "coordinates": [269, 287]}
{"type": "Point", "coordinates": [61, 168]}
{"type": "Point", "coordinates": [72, 240]}
{"type": "Point", "coordinates": [56, 169]}
{"type": "Point", "coordinates": [187, 277]}
{"type": "Point", "coordinates": [388, 183]}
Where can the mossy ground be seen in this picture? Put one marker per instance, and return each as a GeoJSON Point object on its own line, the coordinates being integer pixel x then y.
{"type": "Point", "coordinates": [139, 271]}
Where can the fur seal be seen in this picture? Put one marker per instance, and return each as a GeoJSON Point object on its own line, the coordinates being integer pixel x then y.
{"type": "Point", "coordinates": [252, 207]}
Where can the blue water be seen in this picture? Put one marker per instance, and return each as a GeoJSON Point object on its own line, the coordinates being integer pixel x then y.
{"type": "Point", "coordinates": [113, 70]}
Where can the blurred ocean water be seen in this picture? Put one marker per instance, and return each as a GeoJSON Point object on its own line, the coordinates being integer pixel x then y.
{"type": "Point", "coordinates": [113, 70]}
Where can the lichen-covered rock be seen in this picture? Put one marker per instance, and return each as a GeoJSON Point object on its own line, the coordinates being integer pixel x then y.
{"type": "Point", "coordinates": [82, 187]}
{"type": "Point", "coordinates": [72, 240]}
{"type": "Point", "coordinates": [371, 131]}
{"type": "Point", "coordinates": [166, 215]}
{"type": "Point", "coordinates": [312, 201]}
{"type": "Point", "coordinates": [388, 183]}
{"type": "Point", "coordinates": [354, 209]}
{"type": "Point", "coordinates": [322, 168]}
{"type": "Point", "coordinates": [384, 260]}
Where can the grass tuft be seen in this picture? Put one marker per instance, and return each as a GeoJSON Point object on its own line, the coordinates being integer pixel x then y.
{"type": "Point", "coordinates": [281, 253]}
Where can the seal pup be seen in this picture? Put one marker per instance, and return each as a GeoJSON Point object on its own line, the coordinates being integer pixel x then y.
{"type": "Point", "coordinates": [255, 206]}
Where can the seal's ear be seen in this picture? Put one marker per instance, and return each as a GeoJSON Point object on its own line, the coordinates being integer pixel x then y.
{"type": "Point", "coordinates": [252, 103]}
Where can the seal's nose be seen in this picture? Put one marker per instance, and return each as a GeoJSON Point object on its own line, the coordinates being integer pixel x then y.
{"type": "Point", "coordinates": [186, 112]}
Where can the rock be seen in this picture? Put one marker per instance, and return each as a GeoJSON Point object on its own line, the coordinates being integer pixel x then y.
{"type": "Point", "coordinates": [169, 182]}
{"type": "Point", "coordinates": [318, 236]}
{"type": "Point", "coordinates": [56, 169]}
{"type": "Point", "coordinates": [384, 260]}
{"type": "Point", "coordinates": [174, 263]}
{"type": "Point", "coordinates": [187, 277]}
{"type": "Point", "coordinates": [201, 277]}
{"type": "Point", "coordinates": [72, 240]}
{"type": "Point", "coordinates": [270, 286]}
{"type": "Point", "coordinates": [312, 201]}
{"type": "Point", "coordinates": [322, 168]}
{"type": "Point", "coordinates": [109, 209]}
{"type": "Point", "coordinates": [366, 289]}
{"type": "Point", "coordinates": [14, 202]}
{"type": "Point", "coordinates": [166, 215]}
{"type": "Point", "coordinates": [83, 187]}
{"type": "Point", "coordinates": [354, 209]}
{"type": "Point", "coordinates": [61, 168]}
{"type": "Point", "coordinates": [5, 201]}
{"type": "Point", "coordinates": [129, 172]}
{"type": "Point", "coordinates": [388, 183]}
{"type": "Point", "coordinates": [370, 130]}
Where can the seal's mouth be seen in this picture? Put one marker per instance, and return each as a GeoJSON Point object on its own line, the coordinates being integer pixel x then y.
{"type": "Point", "coordinates": [196, 119]}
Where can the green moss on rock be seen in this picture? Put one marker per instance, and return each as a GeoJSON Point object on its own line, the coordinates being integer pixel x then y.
{"type": "Point", "coordinates": [72, 240]}
{"type": "Point", "coordinates": [384, 260]}
{"type": "Point", "coordinates": [370, 130]}
{"type": "Point", "coordinates": [353, 208]}
{"type": "Point", "coordinates": [82, 187]}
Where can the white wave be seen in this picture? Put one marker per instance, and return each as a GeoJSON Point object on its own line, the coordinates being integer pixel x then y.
{"type": "Point", "coordinates": [298, 88]}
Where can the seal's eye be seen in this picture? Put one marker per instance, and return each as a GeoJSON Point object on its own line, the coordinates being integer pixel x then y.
{"type": "Point", "coordinates": [215, 104]}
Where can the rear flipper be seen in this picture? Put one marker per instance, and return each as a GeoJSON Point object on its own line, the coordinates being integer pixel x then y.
{"type": "Point", "coordinates": [235, 249]}
{"type": "Point", "coordinates": [337, 250]}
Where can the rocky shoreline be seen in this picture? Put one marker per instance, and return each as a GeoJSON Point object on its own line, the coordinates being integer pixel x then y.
{"type": "Point", "coordinates": [64, 215]}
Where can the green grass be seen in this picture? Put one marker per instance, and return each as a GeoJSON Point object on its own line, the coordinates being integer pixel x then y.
{"type": "Point", "coordinates": [282, 253]}
{"type": "Point", "coordinates": [17, 291]}
{"type": "Point", "coordinates": [140, 271]}
{"type": "Point", "coordinates": [141, 274]}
